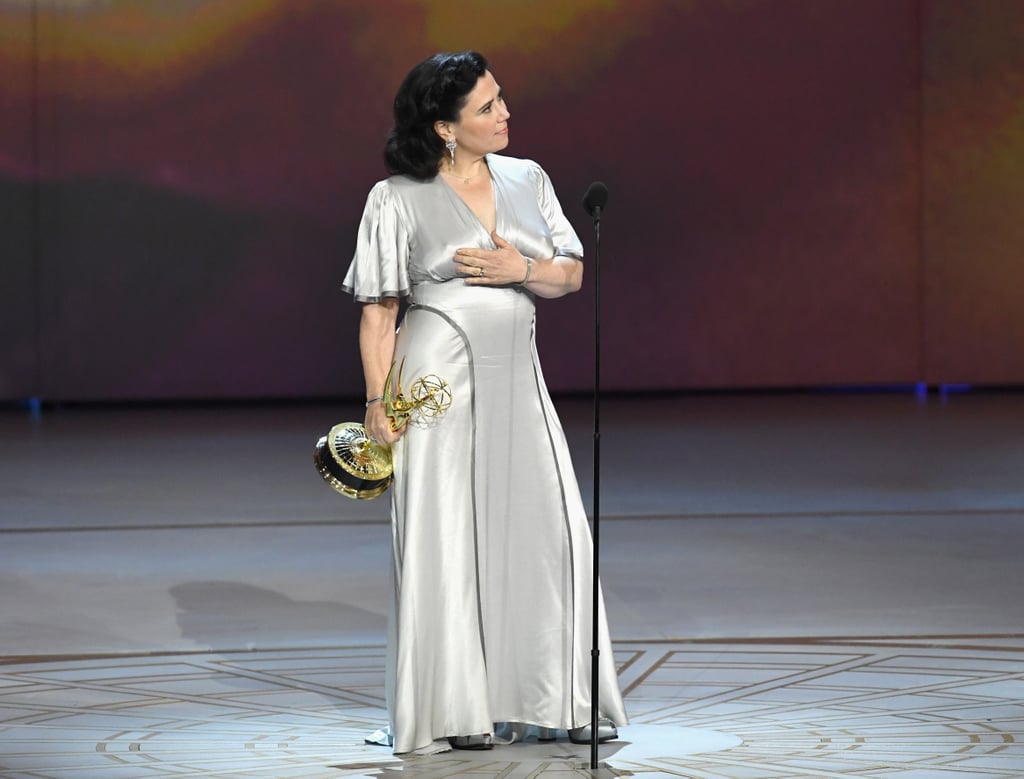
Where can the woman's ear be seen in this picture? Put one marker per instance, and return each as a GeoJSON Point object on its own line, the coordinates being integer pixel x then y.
{"type": "Point", "coordinates": [443, 129]}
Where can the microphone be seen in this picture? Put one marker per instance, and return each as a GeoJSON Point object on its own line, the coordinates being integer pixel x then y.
{"type": "Point", "coordinates": [594, 202]}
{"type": "Point", "coordinates": [596, 199]}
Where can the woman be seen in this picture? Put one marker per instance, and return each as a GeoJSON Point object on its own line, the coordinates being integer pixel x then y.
{"type": "Point", "coordinates": [491, 619]}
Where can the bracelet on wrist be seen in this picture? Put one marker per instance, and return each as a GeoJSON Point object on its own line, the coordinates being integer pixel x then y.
{"type": "Point", "coordinates": [529, 270]}
{"type": "Point", "coordinates": [371, 401]}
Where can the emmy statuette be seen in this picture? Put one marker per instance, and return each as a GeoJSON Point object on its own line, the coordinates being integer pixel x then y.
{"type": "Point", "coordinates": [357, 467]}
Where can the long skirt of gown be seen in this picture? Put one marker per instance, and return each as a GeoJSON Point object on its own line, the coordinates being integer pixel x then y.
{"type": "Point", "coordinates": [492, 563]}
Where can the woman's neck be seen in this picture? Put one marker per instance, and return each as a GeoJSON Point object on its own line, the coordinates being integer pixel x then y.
{"type": "Point", "coordinates": [465, 172]}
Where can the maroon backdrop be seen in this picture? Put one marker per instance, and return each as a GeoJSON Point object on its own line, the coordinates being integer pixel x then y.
{"type": "Point", "coordinates": [802, 193]}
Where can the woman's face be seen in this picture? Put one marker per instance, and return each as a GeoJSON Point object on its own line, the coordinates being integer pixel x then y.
{"type": "Point", "coordinates": [482, 126]}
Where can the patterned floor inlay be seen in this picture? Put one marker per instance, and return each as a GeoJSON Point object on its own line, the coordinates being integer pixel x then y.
{"type": "Point", "coordinates": [884, 708]}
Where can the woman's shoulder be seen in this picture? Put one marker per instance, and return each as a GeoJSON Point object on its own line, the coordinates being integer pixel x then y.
{"type": "Point", "coordinates": [402, 186]}
{"type": "Point", "coordinates": [523, 171]}
{"type": "Point", "coordinates": [396, 189]}
{"type": "Point", "coordinates": [513, 165]}
{"type": "Point", "coordinates": [391, 184]}
{"type": "Point", "coordinates": [402, 181]}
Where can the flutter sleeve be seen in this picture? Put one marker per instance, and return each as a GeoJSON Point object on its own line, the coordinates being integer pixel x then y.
{"type": "Point", "coordinates": [380, 267]}
{"type": "Point", "coordinates": [567, 243]}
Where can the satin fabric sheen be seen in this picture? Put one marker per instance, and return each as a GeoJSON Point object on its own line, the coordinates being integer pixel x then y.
{"type": "Point", "coordinates": [492, 554]}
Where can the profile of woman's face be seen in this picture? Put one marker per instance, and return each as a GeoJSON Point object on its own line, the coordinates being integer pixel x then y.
{"type": "Point", "coordinates": [482, 126]}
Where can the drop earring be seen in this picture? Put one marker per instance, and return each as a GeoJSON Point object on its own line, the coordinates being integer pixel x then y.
{"type": "Point", "coordinates": [450, 146]}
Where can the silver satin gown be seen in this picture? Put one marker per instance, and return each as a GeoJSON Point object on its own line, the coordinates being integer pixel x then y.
{"type": "Point", "coordinates": [492, 554]}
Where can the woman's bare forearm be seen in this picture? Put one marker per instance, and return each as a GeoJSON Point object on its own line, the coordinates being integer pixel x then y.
{"type": "Point", "coordinates": [555, 277]}
{"type": "Point", "coordinates": [377, 343]}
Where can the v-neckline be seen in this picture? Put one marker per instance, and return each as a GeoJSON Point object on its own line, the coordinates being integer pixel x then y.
{"type": "Point", "coordinates": [494, 197]}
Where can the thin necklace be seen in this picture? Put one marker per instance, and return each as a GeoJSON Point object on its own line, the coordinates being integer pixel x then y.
{"type": "Point", "coordinates": [463, 179]}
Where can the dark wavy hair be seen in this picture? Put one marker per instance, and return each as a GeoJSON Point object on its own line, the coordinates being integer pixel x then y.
{"type": "Point", "coordinates": [433, 91]}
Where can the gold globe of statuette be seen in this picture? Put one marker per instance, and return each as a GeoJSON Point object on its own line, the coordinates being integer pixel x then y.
{"type": "Point", "coordinates": [430, 398]}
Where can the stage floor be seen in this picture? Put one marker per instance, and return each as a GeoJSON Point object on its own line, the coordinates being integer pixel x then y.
{"type": "Point", "coordinates": [798, 585]}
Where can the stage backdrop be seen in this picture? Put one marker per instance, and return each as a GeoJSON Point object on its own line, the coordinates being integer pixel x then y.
{"type": "Point", "coordinates": [803, 193]}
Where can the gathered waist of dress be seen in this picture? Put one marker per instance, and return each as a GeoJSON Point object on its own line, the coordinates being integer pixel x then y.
{"type": "Point", "coordinates": [456, 294]}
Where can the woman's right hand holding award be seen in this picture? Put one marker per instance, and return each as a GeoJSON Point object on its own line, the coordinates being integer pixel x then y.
{"type": "Point", "coordinates": [355, 459]}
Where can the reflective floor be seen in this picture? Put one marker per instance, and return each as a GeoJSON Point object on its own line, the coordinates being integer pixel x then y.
{"type": "Point", "coordinates": [814, 585]}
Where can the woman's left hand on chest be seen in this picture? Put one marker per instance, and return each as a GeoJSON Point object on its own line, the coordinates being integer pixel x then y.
{"type": "Point", "coordinates": [491, 267]}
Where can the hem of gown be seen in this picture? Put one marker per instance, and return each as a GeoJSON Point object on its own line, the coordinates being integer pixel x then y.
{"type": "Point", "coordinates": [504, 732]}
{"type": "Point", "coordinates": [380, 738]}
{"type": "Point", "coordinates": [384, 738]}
{"type": "Point", "coordinates": [433, 748]}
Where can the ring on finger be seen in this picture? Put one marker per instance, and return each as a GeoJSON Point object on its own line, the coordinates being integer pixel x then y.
{"type": "Point", "coordinates": [479, 271]}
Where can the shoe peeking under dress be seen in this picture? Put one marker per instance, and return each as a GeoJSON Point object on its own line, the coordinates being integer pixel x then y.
{"type": "Point", "coordinates": [477, 741]}
{"type": "Point", "coordinates": [606, 731]}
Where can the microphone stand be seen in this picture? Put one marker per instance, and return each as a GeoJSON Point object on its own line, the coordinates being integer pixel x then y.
{"type": "Point", "coordinates": [595, 650]}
